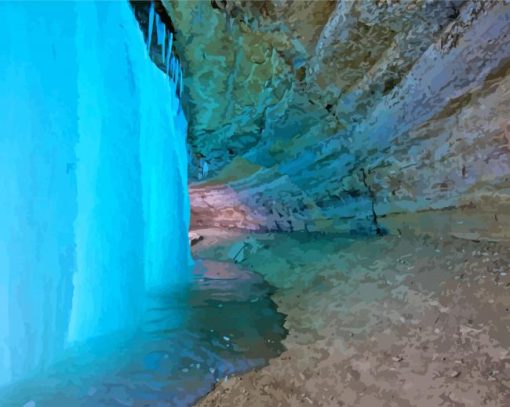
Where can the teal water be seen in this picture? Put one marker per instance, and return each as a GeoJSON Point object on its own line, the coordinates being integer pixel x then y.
{"type": "Point", "coordinates": [218, 325]}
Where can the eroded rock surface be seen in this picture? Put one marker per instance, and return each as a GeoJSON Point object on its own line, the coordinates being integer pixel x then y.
{"type": "Point", "coordinates": [319, 111]}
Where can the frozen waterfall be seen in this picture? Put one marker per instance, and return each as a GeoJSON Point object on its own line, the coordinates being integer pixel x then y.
{"type": "Point", "coordinates": [93, 171]}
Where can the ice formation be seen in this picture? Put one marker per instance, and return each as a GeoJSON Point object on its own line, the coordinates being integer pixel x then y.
{"type": "Point", "coordinates": [93, 169]}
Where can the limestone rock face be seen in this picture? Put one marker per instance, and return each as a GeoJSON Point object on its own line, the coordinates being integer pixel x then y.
{"type": "Point", "coordinates": [313, 112]}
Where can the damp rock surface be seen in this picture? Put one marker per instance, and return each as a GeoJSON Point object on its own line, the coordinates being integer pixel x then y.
{"type": "Point", "coordinates": [311, 113]}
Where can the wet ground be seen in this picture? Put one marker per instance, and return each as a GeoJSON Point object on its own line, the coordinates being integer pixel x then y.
{"type": "Point", "coordinates": [408, 319]}
{"type": "Point", "coordinates": [223, 323]}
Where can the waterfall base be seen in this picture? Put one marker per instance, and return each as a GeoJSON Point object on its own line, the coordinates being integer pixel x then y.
{"type": "Point", "coordinates": [222, 323]}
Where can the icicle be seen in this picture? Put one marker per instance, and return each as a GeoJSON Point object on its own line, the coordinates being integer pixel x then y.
{"type": "Point", "coordinates": [182, 84]}
{"type": "Point", "coordinates": [177, 71]}
{"type": "Point", "coordinates": [161, 34]}
{"type": "Point", "coordinates": [205, 169]}
{"type": "Point", "coordinates": [170, 41]}
{"type": "Point", "coordinates": [169, 52]}
{"type": "Point", "coordinates": [159, 27]}
{"type": "Point", "coordinates": [151, 24]}
{"type": "Point", "coordinates": [163, 43]}
{"type": "Point", "coordinates": [172, 70]}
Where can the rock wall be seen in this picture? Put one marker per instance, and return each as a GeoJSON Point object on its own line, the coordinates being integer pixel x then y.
{"type": "Point", "coordinates": [318, 112]}
{"type": "Point", "coordinates": [220, 206]}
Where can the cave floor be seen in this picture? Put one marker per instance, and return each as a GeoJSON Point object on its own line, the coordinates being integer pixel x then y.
{"type": "Point", "coordinates": [409, 320]}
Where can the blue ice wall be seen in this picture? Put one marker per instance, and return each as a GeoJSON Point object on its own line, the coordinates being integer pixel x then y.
{"type": "Point", "coordinates": [93, 170]}
{"type": "Point", "coordinates": [38, 205]}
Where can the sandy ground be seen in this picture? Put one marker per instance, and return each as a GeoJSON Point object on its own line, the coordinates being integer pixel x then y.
{"type": "Point", "coordinates": [395, 321]}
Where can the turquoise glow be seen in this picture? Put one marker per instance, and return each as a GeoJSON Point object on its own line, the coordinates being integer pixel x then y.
{"type": "Point", "coordinates": [93, 171]}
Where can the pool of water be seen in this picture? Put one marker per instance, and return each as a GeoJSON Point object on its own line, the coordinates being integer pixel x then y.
{"type": "Point", "coordinates": [223, 323]}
